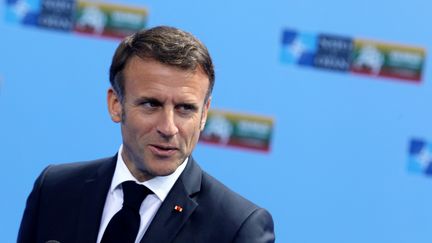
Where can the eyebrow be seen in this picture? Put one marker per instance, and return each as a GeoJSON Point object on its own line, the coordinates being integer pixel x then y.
{"type": "Point", "coordinates": [191, 105]}
{"type": "Point", "coordinates": [143, 99]}
{"type": "Point", "coordinates": [147, 99]}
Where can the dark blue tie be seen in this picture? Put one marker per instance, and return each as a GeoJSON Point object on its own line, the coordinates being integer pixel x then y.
{"type": "Point", "coordinates": [124, 225]}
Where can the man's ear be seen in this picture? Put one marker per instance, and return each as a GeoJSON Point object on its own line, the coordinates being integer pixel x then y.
{"type": "Point", "coordinates": [204, 114]}
{"type": "Point", "coordinates": [114, 106]}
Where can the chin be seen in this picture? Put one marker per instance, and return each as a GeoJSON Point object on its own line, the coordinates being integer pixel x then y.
{"type": "Point", "coordinates": [161, 171]}
{"type": "Point", "coordinates": [161, 166]}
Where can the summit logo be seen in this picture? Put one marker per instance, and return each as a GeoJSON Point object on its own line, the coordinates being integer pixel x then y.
{"type": "Point", "coordinates": [420, 157]}
{"type": "Point", "coordinates": [92, 18]}
{"type": "Point", "coordinates": [351, 55]}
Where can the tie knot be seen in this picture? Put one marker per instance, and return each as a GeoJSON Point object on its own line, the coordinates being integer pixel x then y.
{"type": "Point", "coordinates": [134, 194]}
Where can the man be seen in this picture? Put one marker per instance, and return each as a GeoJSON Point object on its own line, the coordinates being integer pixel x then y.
{"type": "Point", "coordinates": [161, 79]}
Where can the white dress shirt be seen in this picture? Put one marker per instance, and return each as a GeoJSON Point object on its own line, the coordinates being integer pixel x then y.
{"type": "Point", "coordinates": [160, 185]}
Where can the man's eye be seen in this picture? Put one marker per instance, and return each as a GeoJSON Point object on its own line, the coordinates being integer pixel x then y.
{"type": "Point", "coordinates": [150, 104]}
{"type": "Point", "coordinates": [186, 108]}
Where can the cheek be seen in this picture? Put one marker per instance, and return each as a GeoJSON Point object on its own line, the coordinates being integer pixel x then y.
{"type": "Point", "coordinates": [191, 134]}
{"type": "Point", "coordinates": [137, 125]}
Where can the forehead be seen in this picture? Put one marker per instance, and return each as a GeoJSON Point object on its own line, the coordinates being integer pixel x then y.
{"type": "Point", "coordinates": [148, 75]}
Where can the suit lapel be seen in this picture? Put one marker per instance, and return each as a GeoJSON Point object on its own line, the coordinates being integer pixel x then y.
{"type": "Point", "coordinates": [94, 194]}
{"type": "Point", "coordinates": [169, 219]}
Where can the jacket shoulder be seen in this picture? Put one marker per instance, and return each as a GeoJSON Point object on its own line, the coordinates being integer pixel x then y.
{"type": "Point", "coordinates": [74, 172]}
{"type": "Point", "coordinates": [218, 198]}
{"type": "Point", "coordinates": [223, 215]}
{"type": "Point", "coordinates": [54, 204]}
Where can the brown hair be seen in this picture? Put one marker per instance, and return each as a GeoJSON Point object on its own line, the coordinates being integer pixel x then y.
{"type": "Point", "coordinates": [167, 45]}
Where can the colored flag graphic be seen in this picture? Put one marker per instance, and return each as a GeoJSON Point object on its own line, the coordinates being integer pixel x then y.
{"type": "Point", "coordinates": [109, 20]}
{"type": "Point", "coordinates": [388, 60]}
{"type": "Point", "coordinates": [238, 130]}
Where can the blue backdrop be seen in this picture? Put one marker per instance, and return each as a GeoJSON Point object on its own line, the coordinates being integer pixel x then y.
{"type": "Point", "coordinates": [337, 169]}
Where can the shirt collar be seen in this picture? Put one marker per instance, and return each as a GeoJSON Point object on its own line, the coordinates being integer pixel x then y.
{"type": "Point", "coordinates": [160, 185]}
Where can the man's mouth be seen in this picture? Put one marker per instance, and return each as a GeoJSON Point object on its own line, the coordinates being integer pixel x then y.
{"type": "Point", "coordinates": [163, 150]}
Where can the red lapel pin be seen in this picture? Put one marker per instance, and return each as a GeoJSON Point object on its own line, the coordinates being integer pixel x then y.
{"type": "Point", "coordinates": [178, 208]}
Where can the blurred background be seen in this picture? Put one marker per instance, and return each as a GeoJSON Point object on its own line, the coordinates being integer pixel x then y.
{"type": "Point", "coordinates": [321, 108]}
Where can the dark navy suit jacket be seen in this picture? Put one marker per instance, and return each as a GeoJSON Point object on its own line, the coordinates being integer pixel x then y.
{"type": "Point", "coordinates": [67, 202]}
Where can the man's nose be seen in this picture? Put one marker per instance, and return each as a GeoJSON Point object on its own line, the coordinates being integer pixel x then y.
{"type": "Point", "coordinates": [166, 126]}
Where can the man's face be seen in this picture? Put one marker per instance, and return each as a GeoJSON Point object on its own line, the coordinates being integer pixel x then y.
{"type": "Point", "coordinates": [161, 116]}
